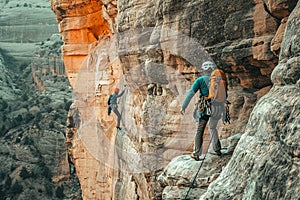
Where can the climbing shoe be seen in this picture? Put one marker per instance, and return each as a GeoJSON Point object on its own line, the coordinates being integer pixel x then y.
{"type": "Point", "coordinates": [219, 153]}
{"type": "Point", "coordinates": [119, 128]}
{"type": "Point", "coordinates": [197, 158]}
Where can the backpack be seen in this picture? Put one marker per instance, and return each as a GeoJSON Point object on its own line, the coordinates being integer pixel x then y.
{"type": "Point", "coordinates": [109, 107]}
{"type": "Point", "coordinates": [217, 86]}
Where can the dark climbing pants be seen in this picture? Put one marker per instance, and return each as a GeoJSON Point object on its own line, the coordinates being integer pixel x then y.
{"type": "Point", "coordinates": [198, 141]}
{"type": "Point", "coordinates": [216, 113]}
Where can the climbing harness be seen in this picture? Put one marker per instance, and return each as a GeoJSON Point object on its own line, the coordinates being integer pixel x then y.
{"type": "Point", "coordinates": [192, 185]}
{"type": "Point", "coordinates": [202, 107]}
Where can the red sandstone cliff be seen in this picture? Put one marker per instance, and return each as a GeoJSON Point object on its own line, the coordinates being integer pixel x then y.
{"type": "Point", "coordinates": [138, 43]}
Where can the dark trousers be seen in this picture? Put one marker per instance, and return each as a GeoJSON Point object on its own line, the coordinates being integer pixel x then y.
{"type": "Point", "coordinates": [198, 141]}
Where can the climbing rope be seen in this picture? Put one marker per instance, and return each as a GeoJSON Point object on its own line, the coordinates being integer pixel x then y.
{"type": "Point", "coordinates": [194, 179]}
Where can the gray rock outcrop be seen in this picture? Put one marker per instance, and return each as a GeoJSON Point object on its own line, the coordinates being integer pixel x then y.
{"type": "Point", "coordinates": [265, 164]}
{"type": "Point", "coordinates": [185, 178]}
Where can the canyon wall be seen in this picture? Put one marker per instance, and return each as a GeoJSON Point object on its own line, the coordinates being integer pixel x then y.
{"type": "Point", "coordinates": [156, 48]}
{"type": "Point", "coordinates": [269, 149]}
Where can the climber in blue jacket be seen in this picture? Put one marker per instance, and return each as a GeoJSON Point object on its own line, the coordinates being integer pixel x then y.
{"type": "Point", "coordinates": [201, 85]}
{"type": "Point", "coordinates": [112, 103]}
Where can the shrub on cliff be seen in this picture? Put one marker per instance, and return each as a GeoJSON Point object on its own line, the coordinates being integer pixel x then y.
{"type": "Point", "coordinates": [28, 141]}
{"type": "Point", "coordinates": [28, 117]}
{"type": "Point", "coordinates": [60, 192]}
{"type": "Point", "coordinates": [45, 171]}
{"type": "Point", "coordinates": [3, 105]}
{"type": "Point", "coordinates": [68, 104]}
{"type": "Point", "coordinates": [24, 173]}
{"type": "Point", "coordinates": [16, 188]}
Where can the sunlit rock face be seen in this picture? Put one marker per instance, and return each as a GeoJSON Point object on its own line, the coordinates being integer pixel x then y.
{"type": "Point", "coordinates": [156, 48]}
{"type": "Point", "coordinates": [81, 23]}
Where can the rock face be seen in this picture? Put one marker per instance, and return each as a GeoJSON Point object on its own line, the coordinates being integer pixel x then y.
{"type": "Point", "coordinates": [82, 23]}
{"type": "Point", "coordinates": [23, 25]}
{"type": "Point", "coordinates": [157, 55]}
{"type": "Point", "coordinates": [269, 149]}
{"type": "Point", "coordinates": [179, 177]}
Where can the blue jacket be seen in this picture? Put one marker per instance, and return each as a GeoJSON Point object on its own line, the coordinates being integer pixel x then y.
{"type": "Point", "coordinates": [113, 97]}
{"type": "Point", "coordinates": [200, 84]}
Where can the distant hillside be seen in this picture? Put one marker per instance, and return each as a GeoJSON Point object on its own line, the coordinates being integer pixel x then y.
{"type": "Point", "coordinates": [34, 103]}
{"type": "Point", "coordinates": [23, 24]}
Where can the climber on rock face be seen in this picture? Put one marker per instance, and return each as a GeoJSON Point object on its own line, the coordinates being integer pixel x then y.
{"type": "Point", "coordinates": [202, 111]}
{"type": "Point", "coordinates": [113, 105]}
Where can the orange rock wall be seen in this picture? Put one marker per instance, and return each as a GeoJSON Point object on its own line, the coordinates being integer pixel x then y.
{"type": "Point", "coordinates": [81, 23]}
{"type": "Point", "coordinates": [84, 24]}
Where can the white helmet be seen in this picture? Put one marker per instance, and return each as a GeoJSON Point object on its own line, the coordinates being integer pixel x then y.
{"type": "Point", "coordinates": [208, 65]}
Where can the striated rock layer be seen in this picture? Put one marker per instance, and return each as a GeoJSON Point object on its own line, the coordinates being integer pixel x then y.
{"type": "Point", "coordinates": [156, 48]}
{"type": "Point", "coordinates": [80, 23]}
